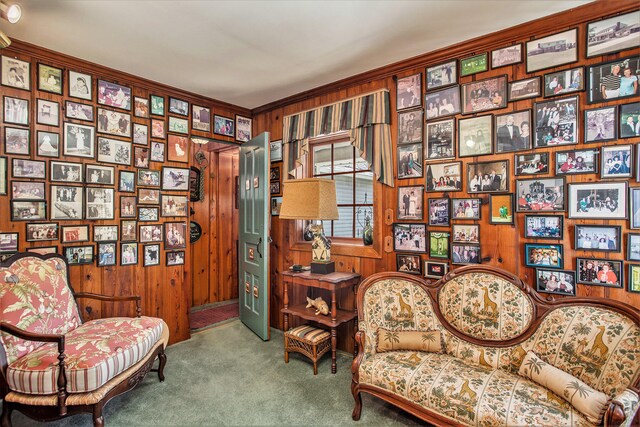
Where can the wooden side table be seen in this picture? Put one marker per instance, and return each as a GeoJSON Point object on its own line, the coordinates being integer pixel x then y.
{"type": "Point", "coordinates": [331, 282]}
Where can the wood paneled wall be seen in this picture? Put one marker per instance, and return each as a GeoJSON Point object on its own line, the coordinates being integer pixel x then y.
{"type": "Point", "coordinates": [502, 244]}
{"type": "Point", "coordinates": [166, 291]}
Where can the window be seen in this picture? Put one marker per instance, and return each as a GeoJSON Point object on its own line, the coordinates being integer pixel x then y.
{"type": "Point", "coordinates": [339, 160]}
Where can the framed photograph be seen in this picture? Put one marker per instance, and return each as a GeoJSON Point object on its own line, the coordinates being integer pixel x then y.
{"type": "Point", "coordinates": [439, 244]}
{"type": "Point", "coordinates": [556, 122]}
{"type": "Point", "coordinates": [48, 144]}
{"type": "Point", "coordinates": [243, 128]}
{"type": "Point", "coordinates": [28, 169]}
{"type": "Point", "coordinates": [513, 131]}
{"type": "Point", "coordinates": [634, 207]}
{"type": "Point", "coordinates": [410, 237]}
{"type": "Point", "coordinates": [549, 256]}
{"type": "Point", "coordinates": [101, 175]}
{"type": "Point", "coordinates": [444, 177]}
{"type": "Point", "coordinates": [176, 179]}
{"type": "Point", "coordinates": [274, 173]}
{"type": "Point", "coordinates": [439, 212]}
{"type": "Point", "coordinates": [443, 102]}
{"type": "Point", "coordinates": [474, 64]}
{"type": "Point", "coordinates": [613, 34]}
{"type": "Point", "coordinates": [114, 151]}
{"type": "Point", "coordinates": [613, 80]}
{"type": "Point", "coordinates": [126, 181]}
{"type": "Point", "coordinates": [543, 226]}
{"type": "Point", "coordinates": [151, 255]}
{"type": "Point", "coordinates": [552, 51]}
{"type": "Point", "coordinates": [564, 82]}
{"type": "Point", "coordinates": [506, 56]}
{"type": "Point", "coordinates": [28, 211]}
{"type": "Point", "coordinates": [223, 126]}
{"type": "Point", "coordinates": [531, 164]}
{"type": "Point", "coordinates": [148, 196]}
{"type": "Point", "coordinates": [410, 205]}
{"type": "Point", "coordinates": [617, 161]}
{"type": "Point", "coordinates": [440, 138]}
{"type": "Point", "coordinates": [600, 238]}
{"type": "Point", "coordinates": [3, 176]}
{"type": "Point", "coordinates": [465, 254]}
{"type": "Point", "coordinates": [16, 73]}
{"type": "Point", "coordinates": [600, 272]}
{"type": "Point", "coordinates": [633, 247]}
{"type": "Point", "coordinates": [42, 232]}
{"type": "Point", "coordinates": [157, 105]}
{"type": "Point", "coordinates": [79, 140]}
{"type": "Point", "coordinates": [77, 111]}
{"type": "Point", "coordinates": [105, 233]}
{"type": "Point", "coordinates": [140, 107]}
{"type": "Point", "coordinates": [574, 162]}
{"type": "Point", "coordinates": [524, 89]}
{"type": "Point", "coordinates": [475, 136]}
{"type": "Point", "coordinates": [501, 208]}
{"type": "Point", "coordinates": [16, 111]}
{"type": "Point", "coordinates": [157, 151]}
{"type": "Point", "coordinates": [140, 134]}
{"type": "Point", "coordinates": [128, 230]}
{"type": "Point", "coordinates": [17, 141]}
{"type": "Point", "coordinates": [274, 187]}
{"type": "Point", "coordinates": [114, 95]}
{"type": "Point", "coordinates": [175, 258]}
{"type": "Point", "coordinates": [410, 126]}
{"type": "Point", "coordinates": [409, 263]}
{"type": "Point", "coordinates": [66, 172]}
{"type": "Point", "coordinates": [634, 278]}
{"type": "Point", "coordinates": [601, 124]}
{"type": "Point", "coordinates": [48, 112]}
{"type": "Point", "coordinates": [410, 161]}
{"type": "Point", "coordinates": [78, 255]}
{"type": "Point", "coordinates": [466, 209]}
{"type": "Point", "coordinates": [276, 205]}
{"type": "Point", "coordinates": [442, 75]}
{"type": "Point", "coordinates": [141, 157]}
{"type": "Point", "coordinates": [598, 200]}
{"type": "Point", "coordinates": [201, 118]}
{"type": "Point", "coordinates": [178, 125]}
{"type": "Point", "coordinates": [8, 242]}
{"type": "Point", "coordinates": [158, 129]}
{"type": "Point", "coordinates": [484, 95]}
{"type": "Point", "coordinates": [49, 79]}
{"type": "Point", "coordinates": [100, 203]}
{"type": "Point", "coordinates": [488, 177]}
{"type": "Point", "coordinates": [151, 233]}
{"type": "Point", "coordinates": [408, 92]}
{"type": "Point", "coordinates": [173, 206]}
{"type": "Point", "coordinates": [466, 233]}
{"type": "Point", "coordinates": [175, 235]}
{"type": "Point", "coordinates": [27, 190]}
{"type": "Point", "coordinates": [114, 122]}
{"type": "Point", "coordinates": [80, 85]}
{"type": "Point", "coordinates": [148, 214]}
{"type": "Point", "coordinates": [629, 120]}
{"type": "Point", "coordinates": [107, 254]}
{"type": "Point", "coordinates": [178, 149]}
{"type": "Point", "coordinates": [128, 206]}
{"type": "Point", "coordinates": [128, 253]}
{"type": "Point", "coordinates": [435, 269]}
{"type": "Point", "coordinates": [74, 233]}
{"type": "Point", "coordinates": [148, 178]}
{"type": "Point", "coordinates": [561, 282]}
{"type": "Point", "coordinates": [540, 195]}
{"type": "Point", "coordinates": [178, 106]}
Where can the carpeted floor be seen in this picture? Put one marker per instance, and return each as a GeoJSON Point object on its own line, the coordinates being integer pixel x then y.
{"type": "Point", "coordinates": [226, 375]}
{"type": "Point", "coordinates": [208, 316]}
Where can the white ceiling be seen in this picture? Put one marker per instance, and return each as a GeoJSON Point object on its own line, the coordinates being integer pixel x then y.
{"type": "Point", "coordinates": [250, 53]}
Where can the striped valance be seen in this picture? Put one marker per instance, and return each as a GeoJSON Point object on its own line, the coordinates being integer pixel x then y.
{"type": "Point", "coordinates": [366, 118]}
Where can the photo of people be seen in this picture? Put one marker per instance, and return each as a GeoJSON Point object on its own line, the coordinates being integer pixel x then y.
{"type": "Point", "coordinates": [600, 124]}
{"type": "Point", "coordinates": [563, 82]}
{"type": "Point", "coordinates": [598, 200]}
{"type": "Point", "coordinates": [410, 202]}
{"type": "Point", "coordinates": [543, 227]}
{"type": "Point", "coordinates": [540, 195]}
{"type": "Point", "coordinates": [488, 177]}
{"type": "Point", "coordinates": [409, 91]}
{"type": "Point", "coordinates": [556, 122]}
{"type": "Point", "coordinates": [561, 282]}
{"type": "Point", "coordinates": [440, 140]}
{"type": "Point", "coordinates": [439, 212]}
{"type": "Point", "coordinates": [614, 80]}
{"type": "Point", "coordinates": [466, 234]}
{"type": "Point", "coordinates": [484, 95]}
{"type": "Point", "coordinates": [439, 244]}
{"type": "Point", "coordinates": [410, 237]}
{"type": "Point", "coordinates": [598, 238]}
{"type": "Point", "coordinates": [617, 161]}
{"type": "Point", "coordinates": [532, 164]}
{"type": "Point", "coordinates": [465, 254]}
{"type": "Point", "coordinates": [444, 177]}
{"type": "Point", "coordinates": [410, 161]}
{"type": "Point", "coordinates": [466, 208]}
{"type": "Point", "coordinates": [549, 256]}
{"type": "Point", "coordinates": [592, 271]}
{"type": "Point", "coordinates": [442, 75]}
{"type": "Point", "coordinates": [629, 120]}
{"type": "Point", "coordinates": [576, 162]}
{"type": "Point", "coordinates": [513, 131]}
{"type": "Point", "coordinates": [442, 103]}
{"type": "Point", "coordinates": [410, 126]}
{"type": "Point", "coordinates": [475, 136]}
{"type": "Point", "coordinates": [411, 264]}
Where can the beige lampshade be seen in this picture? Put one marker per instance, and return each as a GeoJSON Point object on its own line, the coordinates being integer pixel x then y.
{"type": "Point", "coordinates": [312, 199]}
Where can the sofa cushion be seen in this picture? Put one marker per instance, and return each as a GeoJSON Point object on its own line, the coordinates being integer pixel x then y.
{"type": "Point", "coordinates": [35, 297]}
{"type": "Point", "coordinates": [429, 341]}
{"type": "Point", "coordinates": [585, 399]}
{"type": "Point", "coordinates": [469, 394]}
{"type": "Point", "coordinates": [95, 352]}
{"type": "Point", "coordinates": [485, 306]}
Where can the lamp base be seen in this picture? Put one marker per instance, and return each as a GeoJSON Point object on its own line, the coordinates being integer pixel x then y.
{"type": "Point", "coordinates": [323, 267]}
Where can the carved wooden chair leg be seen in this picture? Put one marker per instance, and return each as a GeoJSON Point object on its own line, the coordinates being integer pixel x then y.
{"type": "Point", "coordinates": [5, 421]}
{"type": "Point", "coordinates": [98, 418]}
{"type": "Point", "coordinates": [162, 360]}
{"type": "Point", "coordinates": [357, 409]}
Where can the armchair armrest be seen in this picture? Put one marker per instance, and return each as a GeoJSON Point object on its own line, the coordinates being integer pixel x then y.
{"type": "Point", "coordinates": [100, 297]}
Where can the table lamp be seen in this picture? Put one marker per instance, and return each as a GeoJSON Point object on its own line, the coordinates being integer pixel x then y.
{"type": "Point", "coordinates": [312, 199]}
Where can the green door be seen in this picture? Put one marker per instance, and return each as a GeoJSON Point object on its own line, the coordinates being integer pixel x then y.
{"type": "Point", "coordinates": [253, 235]}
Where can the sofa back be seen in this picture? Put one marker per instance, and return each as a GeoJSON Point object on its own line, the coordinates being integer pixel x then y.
{"type": "Point", "coordinates": [36, 297]}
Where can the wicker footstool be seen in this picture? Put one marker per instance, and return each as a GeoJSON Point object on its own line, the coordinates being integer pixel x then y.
{"type": "Point", "coordinates": [307, 340]}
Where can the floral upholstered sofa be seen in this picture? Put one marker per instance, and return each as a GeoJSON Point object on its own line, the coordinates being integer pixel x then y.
{"type": "Point", "coordinates": [479, 348]}
{"type": "Point", "coordinates": [51, 363]}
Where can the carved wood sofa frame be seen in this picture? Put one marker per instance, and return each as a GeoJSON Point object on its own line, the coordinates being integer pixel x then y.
{"type": "Point", "coordinates": [541, 307]}
{"type": "Point", "coordinates": [128, 379]}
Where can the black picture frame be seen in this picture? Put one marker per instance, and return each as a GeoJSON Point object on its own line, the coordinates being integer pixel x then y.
{"type": "Point", "coordinates": [596, 73]}
{"type": "Point", "coordinates": [557, 249]}
{"type": "Point", "coordinates": [407, 230]}
{"type": "Point", "coordinates": [510, 214]}
{"type": "Point", "coordinates": [582, 228]}
{"type": "Point", "coordinates": [590, 163]}
{"type": "Point", "coordinates": [536, 163]}
{"type": "Point", "coordinates": [69, 252]}
{"type": "Point", "coordinates": [563, 279]}
{"type": "Point", "coordinates": [461, 207]}
{"type": "Point", "coordinates": [402, 261]}
{"type": "Point", "coordinates": [594, 124]}
{"type": "Point", "coordinates": [596, 278]}
{"type": "Point", "coordinates": [439, 212]}
{"type": "Point", "coordinates": [552, 231]}
{"type": "Point", "coordinates": [524, 89]}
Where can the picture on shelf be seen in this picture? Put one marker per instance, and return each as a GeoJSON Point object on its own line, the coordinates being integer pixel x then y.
{"type": "Point", "coordinates": [440, 140]}
{"type": "Point", "coordinates": [556, 122]}
{"type": "Point", "coordinates": [66, 202]}
{"type": "Point", "coordinates": [613, 34]}
{"type": "Point", "coordinates": [564, 82]}
{"type": "Point", "coordinates": [552, 51]}
{"type": "Point", "coordinates": [613, 80]}
{"type": "Point", "coordinates": [474, 64]}
{"type": "Point", "coordinates": [114, 95]}
{"type": "Point", "coordinates": [484, 95]}
{"type": "Point", "coordinates": [410, 237]}
{"type": "Point", "coordinates": [617, 161]}
{"type": "Point", "coordinates": [633, 246]}
{"type": "Point", "coordinates": [634, 278]}
{"type": "Point", "coordinates": [410, 126]}
{"type": "Point", "coordinates": [66, 172]}
{"type": "Point", "coordinates": [562, 282]}
{"type": "Point", "coordinates": [410, 205]}
{"type": "Point", "coordinates": [49, 79]}
{"type": "Point", "coordinates": [549, 256]}
{"type": "Point", "coordinates": [439, 244]}
{"type": "Point", "coordinates": [465, 254]}
{"type": "Point", "coordinates": [442, 103]}
{"type": "Point", "coordinates": [598, 200]}
{"type": "Point", "coordinates": [601, 272]}
{"type": "Point", "coordinates": [605, 238]}
{"type": "Point", "coordinates": [540, 195]}
{"type": "Point", "coordinates": [513, 131]}
{"type": "Point", "coordinates": [128, 253]}
{"type": "Point", "coordinates": [77, 111]}
{"type": "Point", "coordinates": [48, 112]}
{"type": "Point", "coordinates": [16, 73]}
{"type": "Point", "coordinates": [410, 161]}
{"type": "Point", "coordinates": [630, 120]}
{"type": "Point", "coordinates": [441, 75]}
{"type": "Point", "coordinates": [574, 162]}
{"type": "Point", "coordinates": [531, 164]}
{"type": "Point", "coordinates": [409, 92]}
{"type": "Point", "coordinates": [601, 124]}
{"type": "Point", "coordinates": [41, 232]}
{"type": "Point", "coordinates": [466, 208]}
{"type": "Point", "coordinates": [80, 85]}
{"type": "Point", "coordinates": [444, 177]}
{"type": "Point", "coordinates": [77, 255]}
{"type": "Point", "coordinates": [48, 144]}
{"type": "Point", "coordinates": [543, 226]}
{"type": "Point", "coordinates": [524, 89]}
{"type": "Point", "coordinates": [106, 254]}
{"type": "Point", "coordinates": [17, 141]}
{"type": "Point", "coordinates": [435, 269]}
{"type": "Point", "coordinates": [463, 233]}
{"type": "Point", "coordinates": [506, 56]}
{"type": "Point", "coordinates": [16, 111]}
{"type": "Point", "coordinates": [407, 263]}
{"type": "Point", "coordinates": [501, 208]}
{"type": "Point", "coordinates": [488, 177]}
{"type": "Point", "coordinates": [475, 136]}
{"type": "Point", "coordinates": [439, 212]}
{"type": "Point", "coordinates": [79, 140]}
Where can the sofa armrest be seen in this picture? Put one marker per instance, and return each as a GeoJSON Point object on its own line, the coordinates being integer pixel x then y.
{"type": "Point", "coordinates": [100, 297]}
{"type": "Point", "coordinates": [622, 409]}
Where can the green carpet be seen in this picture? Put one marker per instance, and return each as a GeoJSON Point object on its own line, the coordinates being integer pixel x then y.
{"type": "Point", "coordinates": [227, 376]}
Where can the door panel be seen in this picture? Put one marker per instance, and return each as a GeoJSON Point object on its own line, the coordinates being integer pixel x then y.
{"type": "Point", "coordinates": [253, 235]}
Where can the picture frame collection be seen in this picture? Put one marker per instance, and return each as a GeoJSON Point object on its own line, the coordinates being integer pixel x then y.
{"type": "Point", "coordinates": [536, 151]}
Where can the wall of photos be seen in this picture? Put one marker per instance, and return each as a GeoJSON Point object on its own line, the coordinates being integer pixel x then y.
{"type": "Point", "coordinates": [508, 154]}
{"type": "Point", "coordinates": [96, 166]}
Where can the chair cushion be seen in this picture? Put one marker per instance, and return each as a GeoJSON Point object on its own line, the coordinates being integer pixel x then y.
{"type": "Point", "coordinates": [309, 334]}
{"type": "Point", "coordinates": [95, 352]}
{"type": "Point", "coordinates": [429, 341]}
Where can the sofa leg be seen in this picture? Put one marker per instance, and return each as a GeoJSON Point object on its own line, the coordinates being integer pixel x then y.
{"type": "Point", "coordinates": [98, 418]}
{"type": "Point", "coordinates": [357, 409]}
{"type": "Point", "coordinates": [162, 360]}
{"type": "Point", "coordinates": [5, 421]}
